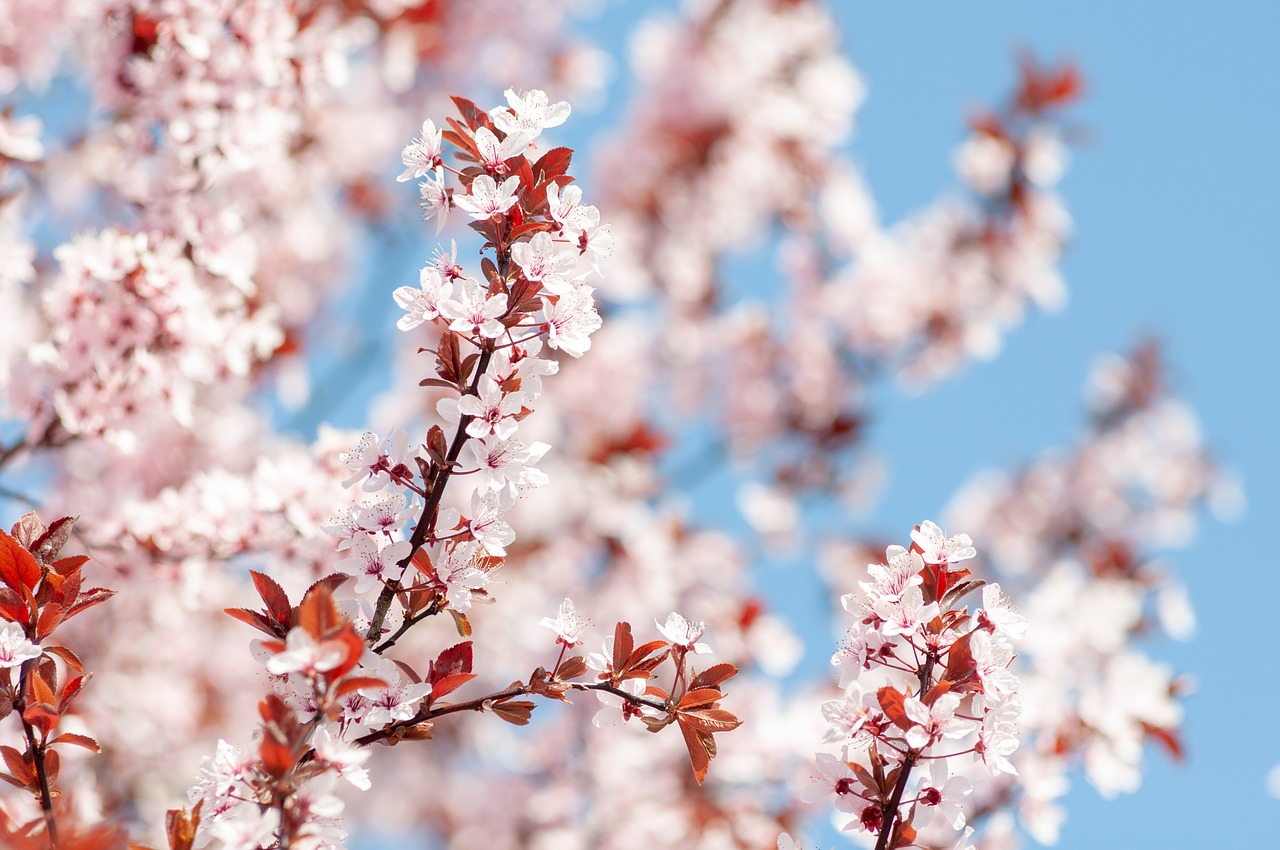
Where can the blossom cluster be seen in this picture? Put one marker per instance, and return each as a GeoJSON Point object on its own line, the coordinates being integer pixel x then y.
{"type": "Point", "coordinates": [408, 555]}
{"type": "Point", "coordinates": [928, 685]}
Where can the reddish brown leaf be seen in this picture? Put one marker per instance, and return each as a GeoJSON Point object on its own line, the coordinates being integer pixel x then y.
{"type": "Point", "coordinates": [52, 766]}
{"type": "Point", "coordinates": [28, 529]}
{"type": "Point", "coordinates": [455, 659]}
{"type": "Point", "coordinates": [892, 702]}
{"type": "Point", "coordinates": [13, 607]}
{"type": "Point", "coordinates": [554, 163]}
{"type": "Point", "coordinates": [50, 543]}
{"type": "Point", "coordinates": [516, 712]}
{"type": "Point", "coordinates": [448, 684]}
{"type": "Point", "coordinates": [89, 598]}
{"type": "Point", "coordinates": [68, 657]}
{"type": "Point", "coordinates": [959, 660]}
{"type": "Point", "coordinates": [318, 614]}
{"type": "Point", "coordinates": [72, 562]}
{"type": "Point", "coordinates": [253, 618]}
{"type": "Point", "coordinates": [18, 567]}
{"type": "Point", "coordinates": [349, 638]}
{"type": "Point", "coordinates": [704, 696]}
{"type": "Point", "coordinates": [50, 619]}
{"type": "Point", "coordinates": [180, 828]}
{"type": "Point", "coordinates": [42, 716]}
{"type": "Point", "coordinates": [699, 753]}
{"type": "Point", "coordinates": [710, 720]}
{"type": "Point", "coordinates": [273, 596]}
{"type": "Point", "coordinates": [78, 740]}
{"type": "Point", "coordinates": [623, 643]}
{"type": "Point", "coordinates": [571, 668]}
{"type": "Point", "coordinates": [472, 114]}
{"type": "Point", "coordinates": [939, 688]}
{"type": "Point", "coordinates": [18, 766]}
{"type": "Point", "coordinates": [71, 689]}
{"type": "Point", "coordinates": [713, 676]}
{"type": "Point", "coordinates": [356, 683]}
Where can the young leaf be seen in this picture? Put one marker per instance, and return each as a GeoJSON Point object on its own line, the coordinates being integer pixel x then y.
{"type": "Point", "coordinates": [515, 712]}
{"type": "Point", "coordinates": [273, 596]}
{"type": "Point", "coordinates": [18, 567]}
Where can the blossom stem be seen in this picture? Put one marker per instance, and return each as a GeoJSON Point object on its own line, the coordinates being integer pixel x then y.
{"type": "Point", "coordinates": [618, 692]}
{"type": "Point", "coordinates": [890, 811]}
{"type": "Point", "coordinates": [37, 757]}
{"type": "Point", "coordinates": [431, 506]}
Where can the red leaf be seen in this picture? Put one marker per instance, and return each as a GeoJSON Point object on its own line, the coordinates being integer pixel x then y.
{"type": "Point", "coordinates": [71, 689]}
{"type": "Point", "coordinates": [78, 740]}
{"type": "Point", "coordinates": [622, 645]}
{"type": "Point", "coordinates": [705, 696]}
{"type": "Point", "coordinates": [713, 676]}
{"type": "Point", "coordinates": [50, 619]}
{"type": "Point", "coordinates": [710, 720]}
{"type": "Point", "coordinates": [699, 753]}
{"type": "Point", "coordinates": [69, 563]}
{"type": "Point", "coordinates": [472, 114]}
{"type": "Point", "coordinates": [46, 548]}
{"type": "Point", "coordinates": [892, 702]}
{"type": "Point", "coordinates": [253, 618]}
{"type": "Point", "coordinates": [28, 529]}
{"type": "Point", "coordinates": [455, 659]}
{"type": "Point", "coordinates": [959, 660]}
{"type": "Point", "coordinates": [18, 766]}
{"type": "Point", "coordinates": [276, 600]}
{"type": "Point", "coordinates": [319, 613]}
{"type": "Point", "coordinates": [70, 658]}
{"type": "Point", "coordinates": [515, 712]}
{"type": "Point", "coordinates": [554, 163]}
{"type": "Point", "coordinates": [89, 598]}
{"type": "Point", "coordinates": [18, 567]}
{"type": "Point", "coordinates": [448, 684]}
{"type": "Point", "coordinates": [356, 683]}
{"type": "Point", "coordinates": [180, 828]}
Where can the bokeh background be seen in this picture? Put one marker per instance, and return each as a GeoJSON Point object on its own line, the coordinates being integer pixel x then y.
{"type": "Point", "coordinates": [1173, 189]}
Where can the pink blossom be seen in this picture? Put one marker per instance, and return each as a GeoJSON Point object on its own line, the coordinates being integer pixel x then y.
{"type": "Point", "coordinates": [934, 722]}
{"type": "Point", "coordinates": [567, 625]}
{"type": "Point", "coordinates": [422, 154]}
{"type": "Point", "coordinates": [14, 646]}
{"type": "Point", "coordinates": [303, 655]}
{"type": "Point", "coordinates": [530, 113]}
{"type": "Point", "coordinates": [474, 311]}
{"type": "Point", "coordinates": [684, 633]}
{"type": "Point", "coordinates": [422, 304]}
{"type": "Point", "coordinates": [486, 198]}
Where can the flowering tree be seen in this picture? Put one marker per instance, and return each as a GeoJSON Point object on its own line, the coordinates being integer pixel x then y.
{"type": "Point", "coordinates": [170, 258]}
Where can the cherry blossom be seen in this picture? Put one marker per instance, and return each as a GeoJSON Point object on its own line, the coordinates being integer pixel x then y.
{"type": "Point", "coordinates": [422, 155]}
{"type": "Point", "coordinates": [422, 304]}
{"type": "Point", "coordinates": [487, 198]}
{"type": "Point", "coordinates": [529, 113]}
{"type": "Point", "coordinates": [684, 633]}
{"type": "Point", "coordinates": [302, 654]}
{"type": "Point", "coordinates": [567, 625]}
{"type": "Point", "coordinates": [474, 311]}
{"type": "Point", "coordinates": [15, 649]}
